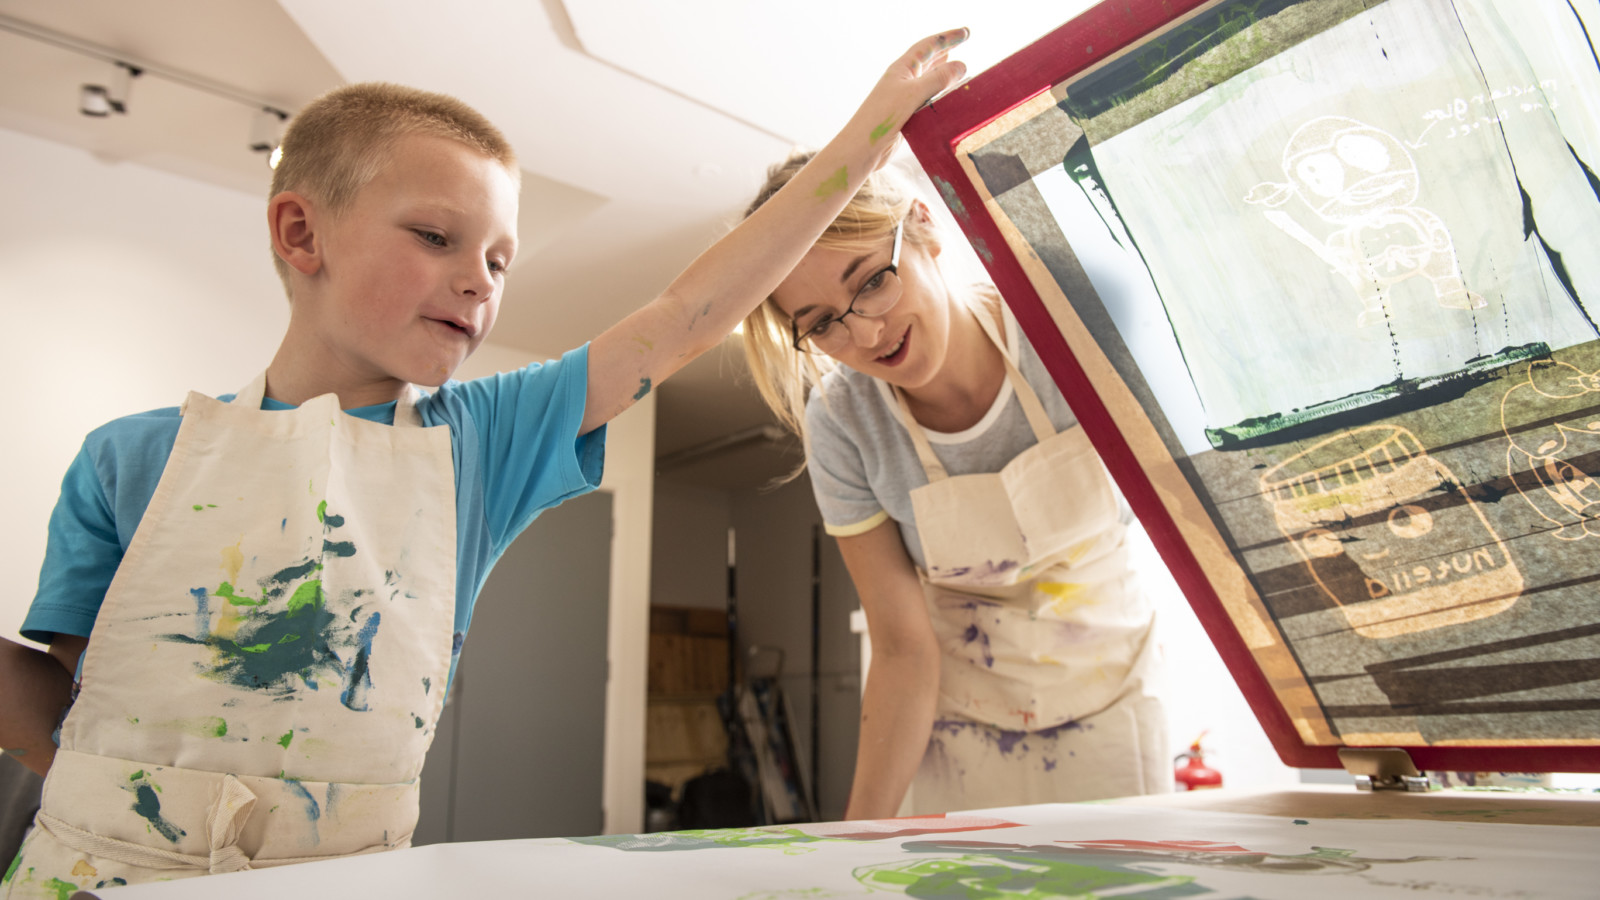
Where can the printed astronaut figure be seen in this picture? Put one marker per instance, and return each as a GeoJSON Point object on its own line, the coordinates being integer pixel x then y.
{"type": "Point", "coordinates": [1363, 181]}
{"type": "Point", "coordinates": [1551, 464]}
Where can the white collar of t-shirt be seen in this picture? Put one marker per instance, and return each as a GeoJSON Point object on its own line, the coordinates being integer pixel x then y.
{"type": "Point", "coordinates": [1009, 323]}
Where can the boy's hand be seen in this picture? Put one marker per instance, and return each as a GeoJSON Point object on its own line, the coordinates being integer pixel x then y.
{"type": "Point", "coordinates": [918, 76]}
{"type": "Point", "coordinates": [720, 288]}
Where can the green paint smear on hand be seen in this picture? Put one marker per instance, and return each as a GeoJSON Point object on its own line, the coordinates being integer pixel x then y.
{"type": "Point", "coordinates": [226, 592]}
{"type": "Point", "coordinates": [644, 388]}
{"type": "Point", "coordinates": [883, 128]}
{"type": "Point", "coordinates": [287, 737]}
{"type": "Point", "coordinates": [836, 182]}
{"type": "Point", "coordinates": [641, 339]}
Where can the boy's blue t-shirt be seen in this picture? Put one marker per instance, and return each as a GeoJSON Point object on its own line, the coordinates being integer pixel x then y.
{"type": "Point", "coordinates": [514, 438]}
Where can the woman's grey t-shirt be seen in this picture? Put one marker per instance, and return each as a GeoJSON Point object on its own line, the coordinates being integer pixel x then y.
{"type": "Point", "coordinates": [863, 463]}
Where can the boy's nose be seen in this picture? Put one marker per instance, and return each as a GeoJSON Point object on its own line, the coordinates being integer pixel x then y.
{"type": "Point", "coordinates": [476, 280]}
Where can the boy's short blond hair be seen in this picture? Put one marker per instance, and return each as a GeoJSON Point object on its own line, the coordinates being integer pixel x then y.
{"type": "Point", "coordinates": [341, 140]}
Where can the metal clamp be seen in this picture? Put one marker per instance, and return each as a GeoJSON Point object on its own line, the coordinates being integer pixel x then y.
{"type": "Point", "coordinates": [1383, 769]}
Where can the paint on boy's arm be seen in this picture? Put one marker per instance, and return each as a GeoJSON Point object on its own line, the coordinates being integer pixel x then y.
{"type": "Point", "coordinates": [644, 388]}
{"type": "Point", "coordinates": [703, 312]}
{"type": "Point", "coordinates": [644, 342]}
{"type": "Point", "coordinates": [835, 183]}
{"type": "Point", "coordinates": [883, 128]}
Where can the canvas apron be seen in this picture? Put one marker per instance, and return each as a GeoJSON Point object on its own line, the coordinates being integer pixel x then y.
{"type": "Point", "coordinates": [1046, 638]}
{"type": "Point", "coordinates": [269, 664]}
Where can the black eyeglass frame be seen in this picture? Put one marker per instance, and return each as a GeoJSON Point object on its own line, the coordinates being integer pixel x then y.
{"type": "Point", "coordinates": [893, 268]}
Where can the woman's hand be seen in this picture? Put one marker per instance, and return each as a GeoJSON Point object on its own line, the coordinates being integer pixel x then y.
{"type": "Point", "coordinates": [922, 73]}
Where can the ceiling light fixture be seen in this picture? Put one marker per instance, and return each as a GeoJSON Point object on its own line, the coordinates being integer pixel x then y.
{"type": "Point", "coordinates": [266, 129]}
{"type": "Point", "coordinates": [101, 100]}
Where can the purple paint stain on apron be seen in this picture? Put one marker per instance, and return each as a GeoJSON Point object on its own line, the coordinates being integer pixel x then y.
{"type": "Point", "coordinates": [973, 633]}
{"type": "Point", "coordinates": [1049, 764]}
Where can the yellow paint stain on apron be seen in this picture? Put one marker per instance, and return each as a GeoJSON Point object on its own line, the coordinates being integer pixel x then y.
{"type": "Point", "coordinates": [1065, 597]}
{"type": "Point", "coordinates": [233, 561]}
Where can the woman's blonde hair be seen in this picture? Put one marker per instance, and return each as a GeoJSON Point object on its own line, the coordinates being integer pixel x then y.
{"type": "Point", "coordinates": [781, 373]}
{"type": "Point", "coordinates": [341, 140]}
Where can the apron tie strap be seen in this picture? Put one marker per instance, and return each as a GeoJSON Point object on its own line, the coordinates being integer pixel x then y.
{"type": "Point", "coordinates": [225, 822]}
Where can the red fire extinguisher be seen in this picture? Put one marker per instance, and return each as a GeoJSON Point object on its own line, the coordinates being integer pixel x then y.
{"type": "Point", "coordinates": [1192, 773]}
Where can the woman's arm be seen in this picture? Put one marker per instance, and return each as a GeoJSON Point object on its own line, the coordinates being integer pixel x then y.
{"type": "Point", "coordinates": [717, 290]}
{"type": "Point", "coordinates": [37, 687]}
{"type": "Point", "coordinates": [902, 690]}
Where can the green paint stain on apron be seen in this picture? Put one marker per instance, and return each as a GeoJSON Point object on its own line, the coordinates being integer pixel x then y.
{"type": "Point", "coordinates": [12, 869]}
{"type": "Point", "coordinates": [284, 741]}
{"type": "Point", "coordinates": [226, 592]}
{"type": "Point", "coordinates": [64, 889]}
{"type": "Point", "coordinates": [307, 596]}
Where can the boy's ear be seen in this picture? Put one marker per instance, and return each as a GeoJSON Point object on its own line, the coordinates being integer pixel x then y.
{"type": "Point", "coordinates": [291, 218]}
{"type": "Point", "coordinates": [929, 239]}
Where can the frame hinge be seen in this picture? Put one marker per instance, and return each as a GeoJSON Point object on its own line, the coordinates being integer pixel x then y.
{"type": "Point", "coordinates": [1383, 769]}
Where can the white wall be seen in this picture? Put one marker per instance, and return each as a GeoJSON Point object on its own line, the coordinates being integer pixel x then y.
{"type": "Point", "coordinates": [124, 288]}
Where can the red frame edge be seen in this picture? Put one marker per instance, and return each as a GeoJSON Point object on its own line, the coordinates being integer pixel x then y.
{"type": "Point", "coordinates": [932, 134]}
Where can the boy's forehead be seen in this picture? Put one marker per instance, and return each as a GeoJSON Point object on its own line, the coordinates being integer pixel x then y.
{"type": "Point", "coordinates": [446, 174]}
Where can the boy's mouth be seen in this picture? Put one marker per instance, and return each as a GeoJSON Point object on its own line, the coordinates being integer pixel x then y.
{"type": "Point", "coordinates": [455, 326]}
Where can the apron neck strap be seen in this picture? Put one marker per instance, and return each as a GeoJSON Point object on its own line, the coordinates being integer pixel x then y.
{"type": "Point", "coordinates": [1032, 408]}
{"type": "Point", "coordinates": [1038, 419]}
{"type": "Point", "coordinates": [405, 408]}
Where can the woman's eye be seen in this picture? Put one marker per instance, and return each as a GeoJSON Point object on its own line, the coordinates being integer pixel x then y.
{"type": "Point", "coordinates": [820, 326]}
{"type": "Point", "coordinates": [874, 282]}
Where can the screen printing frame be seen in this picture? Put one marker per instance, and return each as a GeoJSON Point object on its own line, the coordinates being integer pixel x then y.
{"type": "Point", "coordinates": [944, 137]}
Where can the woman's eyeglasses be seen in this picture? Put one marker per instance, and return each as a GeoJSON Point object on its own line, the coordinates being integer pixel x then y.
{"type": "Point", "coordinates": [820, 331]}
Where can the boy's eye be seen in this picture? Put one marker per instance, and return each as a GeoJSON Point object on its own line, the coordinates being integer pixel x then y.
{"type": "Point", "coordinates": [431, 237]}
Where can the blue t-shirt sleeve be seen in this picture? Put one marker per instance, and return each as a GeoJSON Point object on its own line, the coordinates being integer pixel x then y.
{"type": "Point", "coordinates": [81, 557]}
{"type": "Point", "coordinates": [530, 454]}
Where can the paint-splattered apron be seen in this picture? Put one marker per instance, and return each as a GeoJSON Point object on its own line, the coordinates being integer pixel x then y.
{"type": "Point", "coordinates": [1046, 638]}
{"type": "Point", "coordinates": [267, 669]}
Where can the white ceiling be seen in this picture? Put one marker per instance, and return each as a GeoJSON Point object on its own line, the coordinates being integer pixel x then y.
{"type": "Point", "coordinates": [643, 126]}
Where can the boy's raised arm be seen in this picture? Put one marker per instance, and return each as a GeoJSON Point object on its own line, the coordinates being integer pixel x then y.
{"type": "Point", "coordinates": [717, 290]}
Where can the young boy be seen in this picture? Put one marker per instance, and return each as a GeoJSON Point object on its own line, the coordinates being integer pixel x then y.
{"type": "Point", "coordinates": [263, 596]}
